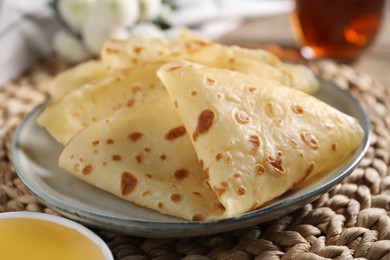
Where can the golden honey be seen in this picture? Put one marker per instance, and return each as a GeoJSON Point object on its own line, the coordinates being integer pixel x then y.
{"type": "Point", "coordinates": [27, 238]}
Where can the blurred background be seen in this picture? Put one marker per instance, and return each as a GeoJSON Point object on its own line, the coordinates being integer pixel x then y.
{"type": "Point", "coordinates": [27, 29]}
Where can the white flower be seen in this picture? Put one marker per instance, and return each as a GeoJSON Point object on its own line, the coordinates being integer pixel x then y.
{"type": "Point", "coordinates": [95, 32]}
{"type": "Point", "coordinates": [146, 30]}
{"type": "Point", "coordinates": [74, 12]}
{"type": "Point", "coordinates": [69, 47]}
{"type": "Point", "coordinates": [107, 17]}
{"type": "Point", "coordinates": [166, 12]}
{"type": "Point", "coordinates": [117, 13]}
{"type": "Point", "coordinates": [150, 9]}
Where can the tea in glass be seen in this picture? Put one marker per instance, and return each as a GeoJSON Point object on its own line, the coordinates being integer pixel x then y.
{"type": "Point", "coordinates": [337, 29]}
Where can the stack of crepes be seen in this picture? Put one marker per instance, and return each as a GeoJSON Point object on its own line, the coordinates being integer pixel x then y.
{"type": "Point", "coordinates": [192, 128]}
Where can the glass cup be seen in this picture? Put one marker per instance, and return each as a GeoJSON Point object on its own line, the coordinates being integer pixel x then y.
{"type": "Point", "coordinates": [336, 29]}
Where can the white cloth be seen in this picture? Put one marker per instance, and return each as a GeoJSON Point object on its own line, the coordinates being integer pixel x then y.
{"type": "Point", "coordinates": [26, 27]}
{"type": "Point", "coordinates": [213, 18]}
{"type": "Point", "coordinates": [25, 35]}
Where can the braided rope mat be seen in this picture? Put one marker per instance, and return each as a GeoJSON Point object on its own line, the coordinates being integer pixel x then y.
{"type": "Point", "coordinates": [352, 221]}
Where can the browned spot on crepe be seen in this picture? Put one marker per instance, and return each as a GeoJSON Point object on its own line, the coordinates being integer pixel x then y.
{"type": "Point", "coordinates": [135, 136]}
{"type": "Point", "coordinates": [128, 183]}
{"type": "Point", "coordinates": [205, 121]}
{"type": "Point", "coordinates": [175, 133]}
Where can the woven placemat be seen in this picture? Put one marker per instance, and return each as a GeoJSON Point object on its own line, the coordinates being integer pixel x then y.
{"type": "Point", "coordinates": [352, 221]}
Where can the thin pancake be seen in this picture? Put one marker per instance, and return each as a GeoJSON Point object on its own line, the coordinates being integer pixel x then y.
{"type": "Point", "coordinates": [256, 141]}
{"type": "Point", "coordinates": [144, 155]}
{"type": "Point", "coordinates": [76, 77]}
{"type": "Point", "coordinates": [86, 105]}
{"type": "Point", "coordinates": [137, 51]}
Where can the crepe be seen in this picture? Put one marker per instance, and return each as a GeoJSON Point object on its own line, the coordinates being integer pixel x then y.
{"type": "Point", "coordinates": [255, 141]}
{"type": "Point", "coordinates": [216, 144]}
{"type": "Point", "coordinates": [144, 155]}
{"type": "Point", "coordinates": [76, 77]}
{"type": "Point", "coordinates": [86, 105]}
{"type": "Point", "coordinates": [121, 54]}
{"type": "Point", "coordinates": [135, 52]}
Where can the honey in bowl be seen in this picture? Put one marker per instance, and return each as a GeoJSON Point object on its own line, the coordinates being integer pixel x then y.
{"type": "Point", "coordinates": [337, 29]}
{"type": "Point", "coordinates": [25, 235]}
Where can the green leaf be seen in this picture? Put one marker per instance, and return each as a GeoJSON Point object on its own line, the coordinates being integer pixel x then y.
{"type": "Point", "coordinates": [161, 23]}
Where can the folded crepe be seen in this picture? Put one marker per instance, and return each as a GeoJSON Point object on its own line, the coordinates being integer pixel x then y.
{"type": "Point", "coordinates": [88, 104]}
{"type": "Point", "coordinates": [254, 141]}
{"type": "Point", "coordinates": [221, 144]}
{"type": "Point", "coordinates": [144, 155]}
{"type": "Point", "coordinates": [136, 52]}
{"type": "Point", "coordinates": [76, 77]}
{"type": "Point", "coordinates": [121, 54]}
{"type": "Point", "coordinates": [83, 105]}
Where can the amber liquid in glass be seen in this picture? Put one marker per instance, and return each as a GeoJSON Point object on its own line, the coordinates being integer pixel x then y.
{"type": "Point", "coordinates": [338, 29]}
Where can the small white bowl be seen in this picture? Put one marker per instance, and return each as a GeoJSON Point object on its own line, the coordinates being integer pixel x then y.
{"type": "Point", "coordinates": [100, 244]}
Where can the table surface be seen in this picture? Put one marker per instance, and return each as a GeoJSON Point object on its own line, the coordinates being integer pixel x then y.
{"type": "Point", "coordinates": [351, 221]}
{"type": "Point", "coordinates": [276, 30]}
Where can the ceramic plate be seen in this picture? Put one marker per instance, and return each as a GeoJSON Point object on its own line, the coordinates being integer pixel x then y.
{"type": "Point", "coordinates": [35, 155]}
